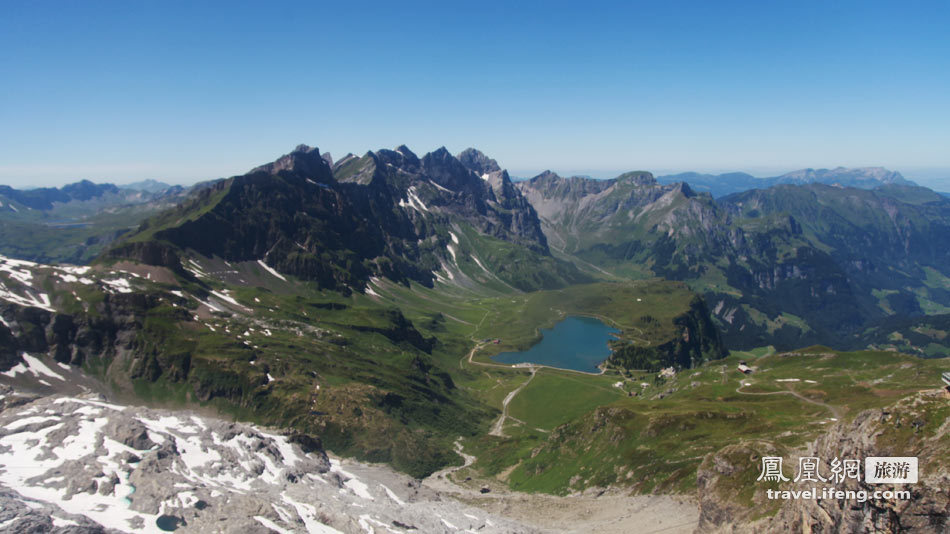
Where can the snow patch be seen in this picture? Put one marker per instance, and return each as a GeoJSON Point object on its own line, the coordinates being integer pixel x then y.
{"type": "Point", "coordinates": [61, 522]}
{"type": "Point", "coordinates": [392, 495]}
{"type": "Point", "coordinates": [440, 187]}
{"type": "Point", "coordinates": [34, 366]}
{"type": "Point", "coordinates": [210, 306]}
{"type": "Point", "coordinates": [308, 513]}
{"type": "Point", "coordinates": [119, 284]}
{"type": "Point", "coordinates": [16, 269]}
{"type": "Point", "coordinates": [271, 270]}
{"type": "Point", "coordinates": [413, 201]}
{"type": "Point", "coordinates": [354, 484]}
{"type": "Point", "coordinates": [41, 300]}
{"type": "Point", "coordinates": [229, 299]}
{"type": "Point", "coordinates": [480, 264]}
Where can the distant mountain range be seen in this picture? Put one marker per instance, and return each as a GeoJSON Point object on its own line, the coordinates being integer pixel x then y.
{"type": "Point", "coordinates": [720, 185]}
{"type": "Point", "coordinates": [787, 265]}
{"type": "Point", "coordinates": [149, 186]}
{"type": "Point", "coordinates": [73, 223]}
{"type": "Point", "coordinates": [45, 198]}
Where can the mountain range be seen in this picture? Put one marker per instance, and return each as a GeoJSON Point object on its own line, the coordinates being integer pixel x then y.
{"type": "Point", "coordinates": [784, 262]}
{"type": "Point", "coordinates": [788, 265]}
{"type": "Point", "coordinates": [387, 214]}
{"type": "Point", "coordinates": [720, 185]}
{"type": "Point", "coordinates": [76, 222]}
{"type": "Point", "coordinates": [357, 304]}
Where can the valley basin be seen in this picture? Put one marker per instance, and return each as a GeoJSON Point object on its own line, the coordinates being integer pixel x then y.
{"type": "Point", "coordinates": [576, 343]}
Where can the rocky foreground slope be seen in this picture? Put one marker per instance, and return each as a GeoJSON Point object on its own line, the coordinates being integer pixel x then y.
{"type": "Point", "coordinates": [731, 500]}
{"type": "Point", "coordinates": [79, 464]}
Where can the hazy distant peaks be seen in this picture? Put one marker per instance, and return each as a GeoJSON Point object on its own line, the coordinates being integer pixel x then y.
{"type": "Point", "coordinates": [844, 174]}
{"type": "Point", "coordinates": [149, 186]}
{"type": "Point", "coordinates": [637, 177]}
{"type": "Point", "coordinates": [735, 182]}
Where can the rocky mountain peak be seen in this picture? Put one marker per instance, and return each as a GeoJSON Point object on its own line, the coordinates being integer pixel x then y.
{"type": "Point", "coordinates": [684, 188]}
{"type": "Point", "coordinates": [478, 162]}
{"type": "Point", "coordinates": [401, 158]}
{"type": "Point", "coordinates": [546, 176]}
{"type": "Point", "coordinates": [404, 150]}
{"type": "Point", "coordinates": [447, 171]}
{"type": "Point", "coordinates": [304, 160]}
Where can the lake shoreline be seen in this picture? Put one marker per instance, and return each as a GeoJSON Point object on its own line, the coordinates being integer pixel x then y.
{"type": "Point", "coordinates": [576, 343]}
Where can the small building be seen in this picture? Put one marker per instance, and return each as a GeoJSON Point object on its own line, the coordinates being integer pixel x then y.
{"type": "Point", "coordinates": [946, 379]}
{"type": "Point", "coordinates": [744, 368]}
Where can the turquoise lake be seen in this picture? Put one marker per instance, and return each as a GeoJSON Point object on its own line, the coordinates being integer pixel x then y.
{"type": "Point", "coordinates": [578, 343]}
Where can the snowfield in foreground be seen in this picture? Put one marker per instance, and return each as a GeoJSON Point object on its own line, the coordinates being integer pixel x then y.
{"type": "Point", "coordinates": [72, 462]}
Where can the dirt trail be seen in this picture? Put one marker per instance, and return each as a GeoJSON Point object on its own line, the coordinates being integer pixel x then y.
{"type": "Point", "coordinates": [441, 481]}
{"type": "Point", "coordinates": [835, 411]}
{"type": "Point", "coordinates": [607, 513]}
{"type": "Point", "coordinates": [498, 429]}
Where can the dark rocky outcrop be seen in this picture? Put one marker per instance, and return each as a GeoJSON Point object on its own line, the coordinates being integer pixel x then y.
{"type": "Point", "coordinates": [477, 161]}
{"type": "Point", "coordinates": [699, 341]}
{"type": "Point", "coordinates": [150, 253]}
{"type": "Point", "coordinates": [112, 331]}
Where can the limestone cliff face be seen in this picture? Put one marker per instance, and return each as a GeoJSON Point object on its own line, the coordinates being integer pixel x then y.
{"type": "Point", "coordinates": [916, 426]}
{"type": "Point", "coordinates": [75, 339]}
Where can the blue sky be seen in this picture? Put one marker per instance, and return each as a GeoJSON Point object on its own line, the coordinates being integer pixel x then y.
{"type": "Point", "coordinates": [185, 91]}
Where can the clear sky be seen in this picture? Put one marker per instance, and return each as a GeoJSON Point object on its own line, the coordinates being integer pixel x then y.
{"type": "Point", "coordinates": [185, 91]}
